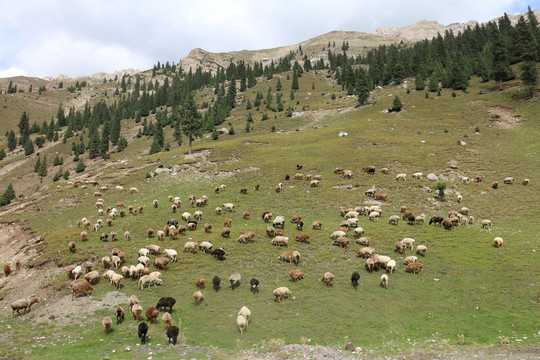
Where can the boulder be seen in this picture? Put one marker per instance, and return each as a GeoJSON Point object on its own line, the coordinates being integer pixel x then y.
{"type": "Point", "coordinates": [432, 177]}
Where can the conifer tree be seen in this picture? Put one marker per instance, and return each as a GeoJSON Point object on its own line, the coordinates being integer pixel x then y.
{"type": "Point", "coordinates": [362, 86]}
{"type": "Point", "coordinates": [60, 117]}
{"type": "Point", "coordinates": [231, 94]}
{"type": "Point", "coordinates": [122, 144]}
{"type": "Point", "coordinates": [7, 196]}
{"type": "Point", "coordinates": [419, 82]}
{"type": "Point", "coordinates": [528, 49]}
{"type": "Point", "coordinates": [433, 83]}
{"type": "Point", "coordinates": [12, 141]}
{"type": "Point", "coordinates": [115, 129]}
{"type": "Point", "coordinates": [42, 171]}
{"type": "Point", "coordinates": [2, 154]}
{"type": "Point", "coordinates": [269, 98]}
{"type": "Point", "coordinates": [396, 105]}
{"type": "Point", "coordinates": [501, 60]}
{"type": "Point", "coordinates": [158, 135]}
{"type": "Point", "coordinates": [154, 148]}
{"type": "Point", "coordinates": [104, 143]}
{"type": "Point", "coordinates": [80, 166]}
{"type": "Point", "coordinates": [278, 85]}
{"type": "Point", "coordinates": [37, 164]}
{"type": "Point", "coordinates": [28, 147]}
{"type": "Point", "coordinates": [93, 143]}
{"type": "Point", "coordinates": [24, 128]}
{"type": "Point", "coordinates": [295, 85]}
{"type": "Point", "coordinates": [191, 120]}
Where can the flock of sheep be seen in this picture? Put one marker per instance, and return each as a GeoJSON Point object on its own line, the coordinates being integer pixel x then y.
{"type": "Point", "coordinates": [111, 263]}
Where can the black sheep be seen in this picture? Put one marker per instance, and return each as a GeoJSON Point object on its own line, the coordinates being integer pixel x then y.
{"type": "Point", "coordinates": [299, 166]}
{"type": "Point", "coordinates": [143, 330]}
{"type": "Point", "coordinates": [216, 281]}
{"type": "Point", "coordinates": [254, 285]}
{"type": "Point", "coordinates": [172, 333]}
{"type": "Point", "coordinates": [437, 220]}
{"type": "Point", "coordinates": [219, 254]}
{"type": "Point", "coordinates": [354, 279]}
{"type": "Point", "coordinates": [119, 312]}
{"type": "Point", "coordinates": [172, 222]}
{"type": "Point", "coordinates": [300, 225]}
{"type": "Point", "coordinates": [287, 177]}
{"type": "Point", "coordinates": [166, 302]}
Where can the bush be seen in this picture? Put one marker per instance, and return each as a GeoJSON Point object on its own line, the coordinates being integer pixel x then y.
{"type": "Point", "coordinates": [66, 175]}
{"type": "Point", "coordinates": [80, 166]}
{"type": "Point", "coordinates": [148, 176]}
{"type": "Point", "coordinates": [445, 130]}
{"type": "Point", "coordinates": [477, 129]}
{"type": "Point", "coordinates": [231, 130]}
{"type": "Point", "coordinates": [273, 129]}
{"type": "Point", "coordinates": [396, 105]}
{"type": "Point", "coordinates": [441, 186]}
{"type": "Point", "coordinates": [2, 154]}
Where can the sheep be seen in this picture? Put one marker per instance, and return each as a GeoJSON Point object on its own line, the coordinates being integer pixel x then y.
{"type": "Point", "coordinates": [216, 281]}
{"type": "Point", "coordinates": [328, 279]}
{"type": "Point", "coordinates": [106, 322]}
{"type": "Point", "coordinates": [116, 279]}
{"type": "Point", "coordinates": [365, 252]}
{"type": "Point", "coordinates": [486, 224]}
{"type": "Point", "coordinates": [198, 215]}
{"type": "Point", "coordinates": [509, 180]}
{"type": "Point", "coordinates": [241, 322]}
{"type": "Point", "coordinates": [408, 242]}
{"type": "Point", "coordinates": [254, 283]}
{"type": "Point", "coordinates": [417, 175]}
{"type": "Point", "coordinates": [495, 185]}
{"type": "Point", "coordinates": [23, 304]}
{"type": "Point", "coordinates": [136, 310]}
{"type": "Point", "coordinates": [380, 196]}
{"type": "Point", "coordinates": [235, 280]}
{"type": "Point", "coordinates": [280, 241]}
{"type": "Point", "coordinates": [186, 216]}
{"type": "Point", "coordinates": [437, 220]}
{"type": "Point", "coordinates": [314, 183]}
{"type": "Point", "coordinates": [246, 215]}
{"type": "Point", "coordinates": [106, 262]}
{"type": "Point", "coordinates": [166, 302]}
{"type": "Point", "coordinates": [296, 218]}
{"type": "Point", "coordinates": [401, 177]}
{"type": "Point", "coordinates": [279, 222]}
{"type": "Point", "coordinates": [198, 297]}
{"type": "Point", "coordinates": [120, 314]}
{"type": "Point", "coordinates": [459, 198]}
{"type": "Point", "coordinates": [374, 216]}
{"type": "Point", "coordinates": [465, 179]}
{"type": "Point", "coordinates": [142, 330]}
{"type": "Point", "coordinates": [133, 190]}
{"type": "Point", "coordinates": [77, 272]}
{"type": "Point", "coordinates": [354, 279]}
{"type": "Point", "coordinates": [525, 182]}
{"type": "Point", "coordinates": [409, 259]}
{"type": "Point", "coordinates": [161, 263]}
{"type": "Point", "coordinates": [115, 260]}
{"type": "Point", "coordinates": [400, 248]}
{"type": "Point", "coordinates": [151, 280]}
{"type": "Point", "coordinates": [348, 174]}
{"type": "Point", "coordinates": [92, 277]}
{"type": "Point", "coordinates": [151, 314]}
{"type": "Point", "coordinates": [448, 224]}
{"type": "Point", "coordinates": [414, 267]}
{"type": "Point", "coordinates": [172, 333]}
{"type": "Point", "coordinates": [351, 214]}
{"type": "Point", "coordinates": [298, 176]}
{"type": "Point", "coordinates": [384, 281]}
{"type": "Point", "coordinates": [336, 234]}
{"type": "Point", "coordinates": [282, 292]}
{"type": "Point", "coordinates": [154, 249]}
{"type": "Point", "coordinates": [391, 266]}
{"type": "Point", "coordinates": [382, 260]}
{"type": "Point", "coordinates": [200, 283]}
{"type": "Point", "coordinates": [342, 242]}
{"type": "Point", "coordinates": [498, 241]}
{"type": "Point", "coordinates": [286, 256]}
{"type": "Point", "coordinates": [82, 287]}
{"type": "Point", "coordinates": [167, 321]}
{"type": "Point", "coordinates": [464, 211]}
{"type": "Point", "coordinates": [228, 206]}
{"type": "Point", "coordinates": [296, 275]}
{"type": "Point", "coordinates": [316, 225]}
{"type": "Point", "coordinates": [132, 300]}
{"type": "Point", "coordinates": [370, 169]}
{"type": "Point", "coordinates": [191, 246]}
{"type": "Point", "coordinates": [302, 237]}
{"type": "Point", "coordinates": [243, 190]}
{"type": "Point", "coordinates": [218, 254]}
{"type": "Point", "coordinates": [394, 219]}
{"type": "Point", "coordinates": [257, 187]}
{"type": "Point", "coordinates": [205, 246]}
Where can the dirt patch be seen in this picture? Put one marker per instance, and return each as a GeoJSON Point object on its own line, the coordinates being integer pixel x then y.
{"type": "Point", "coordinates": [503, 117]}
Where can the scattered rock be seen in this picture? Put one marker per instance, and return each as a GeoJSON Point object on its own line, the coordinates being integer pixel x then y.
{"type": "Point", "coordinates": [462, 143]}
{"type": "Point", "coordinates": [427, 189]}
{"type": "Point", "coordinates": [453, 164]}
{"type": "Point", "coordinates": [432, 177]}
{"type": "Point", "coordinates": [223, 131]}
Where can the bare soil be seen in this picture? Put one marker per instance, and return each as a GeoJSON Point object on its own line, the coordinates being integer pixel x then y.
{"type": "Point", "coordinates": [505, 119]}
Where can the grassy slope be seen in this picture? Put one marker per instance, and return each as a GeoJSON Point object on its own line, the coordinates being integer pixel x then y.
{"type": "Point", "coordinates": [481, 292]}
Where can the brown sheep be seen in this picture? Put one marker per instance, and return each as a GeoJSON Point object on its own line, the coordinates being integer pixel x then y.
{"type": "Point", "coordinates": [296, 218]}
{"type": "Point", "coordinates": [72, 247]}
{"type": "Point", "coordinates": [478, 178]}
{"type": "Point", "coordinates": [198, 297]}
{"type": "Point", "coordinates": [7, 270]}
{"type": "Point", "coordinates": [174, 207]}
{"type": "Point", "coordinates": [370, 169]}
{"type": "Point", "coordinates": [161, 263]}
{"type": "Point", "coordinates": [104, 236]}
{"type": "Point", "coordinates": [122, 213]}
{"type": "Point", "coordinates": [207, 227]}
{"type": "Point", "coordinates": [141, 208]}
{"type": "Point", "coordinates": [243, 190]}
{"type": "Point", "coordinates": [200, 283]}
{"type": "Point", "coordinates": [150, 232]}
{"type": "Point", "coordinates": [414, 268]}
{"type": "Point", "coordinates": [286, 256]}
{"type": "Point", "coordinates": [81, 287]}
{"type": "Point", "coordinates": [69, 270]}
{"type": "Point", "coordinates": [495, 185]}
{"type": "Point", "coordinates": [114, 235]}
{"type": "Point", "coordinates": [316, 225]}
{"type": "Point", "coordinates": [338, 171]}
{"type": "Point", "coordinates": [448, 224]}
{"type": "Point", "coordinates": [400, 247]}
{"type": "Point", "coordinates": [328, 279]}
{"type": "Point", "coordinates": [227, 222]}
{"type": "Point", "coordinates": [270, 231]}
{"type": "Point", "coordinates": [380, 196]}
{"type": "Point", "coordinates": [226, 232]}
{"type": "Point", "coordinates": [106, 322]}
{"type": "Point", "coordinates": [296, 275]}
{"type": "Point", "coordinates": [109, 222]}
{"type": "Point", "coordinates": [151, 314]}
{"type": "Point", "coordinates": [84, 235]}
{"type": "Point", "coordinates": [302, 237]}
{"type": "Point", "coordinates": [341, 241]}
{"type": "Point", "coordinates": [257, 186]}
{"type": "Point", "coordinates": [246, 215]}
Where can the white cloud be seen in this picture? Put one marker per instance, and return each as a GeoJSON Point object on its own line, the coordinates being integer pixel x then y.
{"type": "Point", "coordinates": [12, 71]}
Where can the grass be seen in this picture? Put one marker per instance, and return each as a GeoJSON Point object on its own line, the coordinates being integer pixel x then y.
{"type": "Point", "coordinates": [467, 286]}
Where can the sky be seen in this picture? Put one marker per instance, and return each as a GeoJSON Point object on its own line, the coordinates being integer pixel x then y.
{"type": "Point", "coordinates": [78, 38]}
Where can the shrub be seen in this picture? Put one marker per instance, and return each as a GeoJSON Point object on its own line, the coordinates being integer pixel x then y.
{"type": "Point", "coordinates": [441, 186]}
{"type": "Point", "coordinates": [80, 166]}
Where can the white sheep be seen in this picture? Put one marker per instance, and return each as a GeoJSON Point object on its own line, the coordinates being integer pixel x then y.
{"type": "Point", "coordinates": [282, 292]}
{"type": "Point", "coordinates": [384, 281]}
{"type": "Point", "coordinates": [108, 275]}
{"type": "Point", "coordinates": [279, 221]}
{"type": "Point", "coordinates": [394, 220]}
{"type": "Point", "coordinates": [152, 280]}
{"type": "Point", "coordinates": [465, 179]}
{"type": "Point", "coordinates": [246, 313]}
{"type": "Point", "coordinates": [498, 241]}
{"type": "Point", "coordinates": [115, 261]}
{"type": "Point", "coordinates": [459, 198]}
{"type": "Point", "coordinates": [191, 246]}
{"type": "Point", "coordinates": [77, 272]}
{"type": "Point", "coordinates": [133, 299]}
{"type": "Point", "coordinates": [186, 216]}
{"type": "Point", "coordinates": [241, 322]}
{"type": "Point", "coordinates": [486, 223]}
{"type": "Point", "coordinates": [206, 246]}
{"type": "Point", "coordinates": [351, 214]}
{"type": "Point", "coordinates": [358, 232]}
{"type": "Point", "coordinates": [336, 234]}
{"type": "Point", "coordinates": [143, 252]}
{"type": "Point", "coordinates": [417, 175]}
{"type": "Point", "coordinates": [280, 241]}
{"type": "Point", "coordinates": [391, 266]}
{"type": "Point", "coordinates": [374, 216]}
{"type": "Point", "coordinates": [235, 280]}
{"type": "Point", "coordinates": [408, 242]}
{"type": "Point", "coordinates": [402, 177]}
{"type": "Point", "coordinates": [139, 267]}
{"type": "Point", "coordinates": [384, 260]}
{"type": "Point", "coordinates": [198, 215]}
{"type": "Point", "coordinates": [421, 250]}
{"type": "Point", "coordinates": [143, 260]}
{"type": "Point", "coordinates": [228, 206]}
{"type": "Point", "coordinates": [409, 259]}
{"type": "Point", "coordinates": [133, 190]}
{"type": "Point", "coordinates": [509, 180]}
{"type": "Point", "coordinates": [127, 235]}
{"type": "Point", "coordinates": [171, 253]}
{"type": "Point", "coordinates": [116, 279]}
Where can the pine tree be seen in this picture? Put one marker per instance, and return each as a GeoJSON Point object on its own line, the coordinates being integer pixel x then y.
{"type": "Point", "coordinates": [459, 76]}
{"type": "Point", "coordinates": [66, 175]}
{"type": "Point", "coordinates": [269, 98]}
{"type": "Point", "coordinates": [58, 161]}
{"type": "Point", "coordinates": [7, 196]}
{"type": "Point", "coordinates": [12, 141]}
{"type": "Point", "coordinates": [535, 28]}
{"type": "Point", "coordinates": [104, 143]}
{"type": "Point", "coordinates": [501, 60]}
{"type": "Point", "coordinates": [292, 95]}
{"type": "Point", "coordinates": [419, 82]}
{"type": "Point", "coordinates": [243, 85]}
{"type": "Point", "coordinates": [122, 144]}
{"type": "Point", "coordinates": [528, 49]}
{"type": "Point", "coordinates": [433, 83]}
{"type": "Point", "coordinates": [2, 154]}
{"type": "Point", "coordinates": [396, 105]}
{"type": "Point", "coordinates": [37, 164]}
{"type": "Point", "coordinates": [80, 166]}
{"type": "Point", "coordinates": [191, 120]}
{"type": "Point", "coordinates": [231, 94]}
{"type": "Point", "coordinates": [248, 105]}
{"type": "Point", "coordinates": [24, 128]}
{"type": "Point", "coordinates": [362, 86]}
{"type": "Point", "coordinates": [93, 143]}
{"type": "Point", "coordinates": [42, 171]}
{"type": "Point", "coordinates": [60, 117]}
{"type": "Point", "coordinates": [247, 127]}
{"type": "Point", "coordinates": [215, 134]}
{"type": "Point", "coordinates": [295, 85]}
{"type": "Point", "coordinates": [28, 147]}
{"type": "Point", "coordinates": [278, 85]}
{"type": "Point", "coordinates": [115, 129]}
{"type": "Point", "coordinates": [154, 148]}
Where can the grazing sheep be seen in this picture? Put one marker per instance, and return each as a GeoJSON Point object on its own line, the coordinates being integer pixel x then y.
{"type": "Point", "coordinates": [417, 175]}
{"type": "Point", "coordinates": [132, 300]}
{"type": "Point", "coordinates": [82, 287]}
{"type": "Point", "coordinates": [316, 225]}
{"type": "Point", "coordinates": [106, 322]}
{"type": "Point", "coordinates": [226, 232]}
{"type": "Point", "coordinates": [365, 252]}
{"type": "Point", "coordinates": [354, 279]}
{"type": "Point", "coordinates": [459, 198]}
{"type": "Point", "coordinates": [77, 272]}
{"type": "Point", "coordinates": [296, 257]}
{"type": "Point", "coordinates": [166, 302]}
{"type": "Point", "coordinates": [394, 219]}
{"type": "Point", "coordinates": [161, 263]}
{"type": "Point", "coordinates": [286, 256]}
{"type": "Point", "coordinates": [257, 187]}
{"type": "Point", "coordinates": [486, 224]}
{"type": "Point", "coordinates": [84, 235]}
{"type": "Point", "coordinates": [218, 254]}
{"type": "Point", "coordinates": [409, 259]}
{"type": "Point", "coordinates": [401, 177]}
{"type": "Point", "coordinates": [216, 281]}
{"type": "Point", "coordinates": [509, 180]}
{"type": "Point", "coordinates": [245, 215]}
{"type": "Point", "coordinates": [136, 310]}
{"type": "Point", "coordinates": [92, 277]}
{"type": "Point", "coordinates": [154, 249]}
{"type": "Point", "coordinates": [302, 237]}
{"type": "Point", "coordinates": [282, 292]}
{"type": "Point", "coordinates": [391, 266]}
{"type": "Point", "coordinates": [414, 267]}
{"type": "Point", "coordinates": [172, 333]}
{"type": "Point", "coordinates": [246, 313]}
{"type": "Point", "coordinates": [400, 248]}
{"type": "Point", "coordinates": [191, 246]}
{"type": "Point", "coordinates": [370, 264]}
{"type": "Point", "coordinates": [198, 297]}
{"type": "Point", "coordinates": [115, 260]}
{"type": "Point", "coordinates": [228, 206]}
{"type": "Point", "coordinates": [133, 190]}
{"type": "Point", "coordinates": [384, 281]}
{"type": "Point", "coordinates": [254, 283]}
{"type": "Point", "coordinates": [525, 182]}
{"type": "Point", "coordinates": [198, 215]}
{"type": "Point", "coordinates": [448, 224]}
{"type": "Point", "coordinates": [408, 242]}
{"type": "Point", "coordinates": [241, 322]}
{"type": "Point", "coordinates": [243, 190]}
{"type": "Point", "coordinates": [235, 280]}
{"type": "Point", "coordinates": [205, 246]}
{"type": "Point", "coordinates": [116, 279]}
{"type": "Point", "coordinates": [104, 236]}
{"type": "Point", "coordinates": [23, 304]}
{"type": "Point", "coordinates": [348, 174]}
{"type": "Point", "coordinates": [120, 314]}
{"type": "Point", "coordinates": [200, 283]}
{"type": "Point", "coordinates": [270, 231]}
{"type": "Point", "coordinates": [151, 314]}
{"type": "Point", "coordinates": [106, 262]}
{"type": "Point", "coordinates": [186, 216]}
{"type": "Point", "coordinates": [296, 275]}
{"type": "Point", "coordinates": [380, 196]}
{"type": "Point", "coordinates": [280, 241]}
{"type": "Point", "coordinates": [437, 220]}
{"type": "Point", "coordinates": [279, 222]}
{"type": "Point", "coordinates": [151, 280]}
{"type": "Point", "coordinates": [171, 253]}
{"type": "Point", "coordinates": [364, 241]}
{"type": "Point", "coordinates": [142, 330]}
{"type": "Point", "coordinates": [166, 320]}
{"type": "Point", "coordinates": [370, 169]}
{"type": "Point", "coordinates": [328, 279]}
{"type": "Point", "coordinates": [72, 247]}
{"type": "Point", "coordinates": [342, 242]}
{"type": "Point", "coordinates": [314, 183]}
{"type": "Point", "coordinates": [336, 234]}
{"type": "Point", "coordinates": [374, 216]}
{"type": "Point", "coordinates": [498, 241]}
